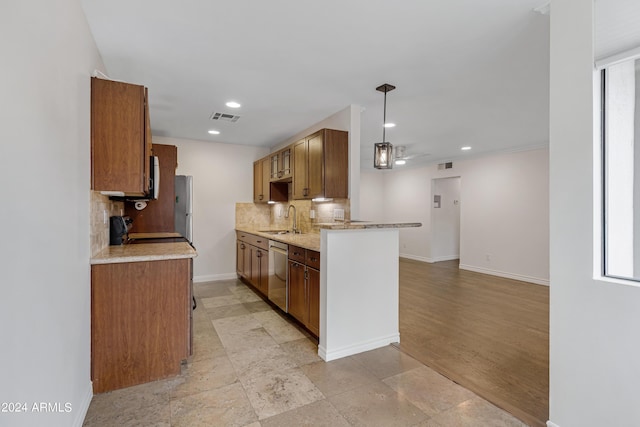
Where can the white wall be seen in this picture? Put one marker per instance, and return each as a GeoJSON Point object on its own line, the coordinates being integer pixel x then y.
{"type": "Point", "coordinates": [222, 175]}
{"type": "Point", "coordinates": [594, 345]}
{"type": "Point", "coordinates": [504, 212]}
{"type": "Point", "coordinates": [48, 55]}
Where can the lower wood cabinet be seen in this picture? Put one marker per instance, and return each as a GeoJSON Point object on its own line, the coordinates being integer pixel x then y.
{"type": "Point", "coordinates": [313, 284]}
{"type": "Point", "coordinates": [252, 260]}
{"type": "Point", "coordinates": [140, 321]}
{"type": "Point", "coordinates": [297, 291]}
{"type": "Point", "coordinates": [260, 269]}
{"type": "Point", "coordinates": [304, 288]}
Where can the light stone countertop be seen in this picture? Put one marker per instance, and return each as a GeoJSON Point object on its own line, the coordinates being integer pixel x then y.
{"type": "Point", "coordinates": [144, 252]}
{"type": "Point", "coordinates": [307, 240]}
{"type": "Point", "coordinates": [312, 240]}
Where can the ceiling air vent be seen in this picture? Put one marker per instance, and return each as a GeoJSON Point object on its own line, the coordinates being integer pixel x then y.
{"type": "Point", "coordinates": [224, 117]}
{"type": "Point", "coordinates": [448, 165]}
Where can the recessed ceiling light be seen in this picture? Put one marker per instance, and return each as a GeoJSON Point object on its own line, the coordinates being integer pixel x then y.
{"type": "Point", "coordinates": [389, 125]}
{"type": "Point", "coordinates": [465, 148]}
{"type": "Point", "coordinates": [401, 162]}
{"type": "Point", "coordinates": [233, 104]}
{"type": "Point", "coordinates": [214, 132]}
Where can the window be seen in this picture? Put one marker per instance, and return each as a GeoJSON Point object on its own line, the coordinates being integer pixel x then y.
{"type": "Point", "coordinates": [621, 168]}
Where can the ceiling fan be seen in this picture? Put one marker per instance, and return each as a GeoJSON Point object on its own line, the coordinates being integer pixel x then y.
{"type": "Point", "coordinates": [401, 156]}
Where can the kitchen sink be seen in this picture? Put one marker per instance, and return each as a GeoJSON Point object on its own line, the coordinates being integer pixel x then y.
{"type": "Point", "coordinates": [274, 232]}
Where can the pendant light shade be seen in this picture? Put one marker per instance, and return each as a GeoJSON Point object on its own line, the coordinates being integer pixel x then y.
{"type": "Point", "coordinates": [383, 151]}
{"type": "Point", "coordinates": [383, 155]}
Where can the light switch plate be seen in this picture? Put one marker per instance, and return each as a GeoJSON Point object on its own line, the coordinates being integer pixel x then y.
{"type": "Point", "coordinates": [338, 214]}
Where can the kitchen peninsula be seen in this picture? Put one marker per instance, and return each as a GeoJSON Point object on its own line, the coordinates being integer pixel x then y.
{"type": "Point", "coordinates": [359, 283]}
{"type": "Point", "coordinates": [140, 313]}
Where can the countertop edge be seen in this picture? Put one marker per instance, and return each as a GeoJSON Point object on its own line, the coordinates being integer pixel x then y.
{"type": "Point", "coordinates": [368, 225]}
{"type": "Point", "coordinates": [144, 252]}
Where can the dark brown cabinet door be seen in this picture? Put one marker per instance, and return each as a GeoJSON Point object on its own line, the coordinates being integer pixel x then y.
{"type": "Point", "coordinates": [120, 137]}
{"type": "Point", "coordinates": [246, 263]}
{"type": "Point", "coordinates": [259, 269]}
{"type": "Point", "coordinates": [297, 294]}
{"type": "Point", "coordinates": [158, 216]}
{"type": "Point", "coordinates": [263, 281]}
{"type": "Point", "coordinates": [300, 169]}
{"type": "Point", "coordinates": [315, 166]}
{"type": "Point", "coordinates": [313, 293]}
{"type": "Point", "coordinates": [258, 190]}
{"type": "Point", "coordinates": [239, 257]}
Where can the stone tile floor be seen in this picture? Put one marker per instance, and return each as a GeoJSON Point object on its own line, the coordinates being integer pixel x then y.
{"type": "Point", "coordinates": [253, 367]}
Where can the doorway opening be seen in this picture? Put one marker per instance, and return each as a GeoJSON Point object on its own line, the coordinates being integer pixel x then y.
{"type": "Point", "coordinates": [445, 219]}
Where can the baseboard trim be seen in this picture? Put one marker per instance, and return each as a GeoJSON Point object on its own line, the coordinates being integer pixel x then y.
{"type": "Point", "coordinates": [81, 414]}
{"type": "Point", "coordinates": [445, 258]}
{"type": "Point", "coordinates": [430, 260]}
{"type": "Point", "coordinates": [552, 424]}
{"type": "Point", "coordinates": [361, 347]}
{"type": "Point", "coordinates": [523, 278]}
{"type": "Point", "coordinates": [214, 277]}
{"type": "Point", "coordinates": [416, 258]}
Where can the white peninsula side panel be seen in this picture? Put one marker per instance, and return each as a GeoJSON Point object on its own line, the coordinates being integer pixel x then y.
{"type": "Point", "coordinates": [359, 291]}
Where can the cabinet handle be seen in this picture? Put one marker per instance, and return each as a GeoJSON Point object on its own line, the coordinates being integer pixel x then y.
{"type": "Point", "coordinates": [313, 259]}
{"type": "Point", "coordinates": [258, 254]}
{"type": "Point", "coordinates": [242, 246]}
{"type": "Point", "coordinates": [260, 197]}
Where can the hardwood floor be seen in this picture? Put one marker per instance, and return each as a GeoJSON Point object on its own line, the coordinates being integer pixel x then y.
{"type": "Point", "coordinates": [487, 333]}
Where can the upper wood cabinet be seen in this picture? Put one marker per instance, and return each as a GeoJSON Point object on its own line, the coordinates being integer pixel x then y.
{"type": "Point", "coordinates": [281, 165]}
{"type": "Point", "coordinates": [263, 189]}
{"type": "Point", "coordinates": [120, 137]}
{"type": "Point", "coordinates": [321, 165]}
{"type": "Point", "coordinates": [159, 215]}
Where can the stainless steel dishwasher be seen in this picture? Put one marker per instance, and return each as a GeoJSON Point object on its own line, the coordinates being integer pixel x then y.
{"type": "Point", "coordinates": [278, 283]}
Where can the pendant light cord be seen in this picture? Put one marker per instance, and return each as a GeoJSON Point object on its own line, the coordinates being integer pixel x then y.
{"type": "Point", "coordinates": [384, 117]}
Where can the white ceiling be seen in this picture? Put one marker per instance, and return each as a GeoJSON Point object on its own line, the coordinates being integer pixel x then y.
{"type": "Point", "coordinates": [467, 72]}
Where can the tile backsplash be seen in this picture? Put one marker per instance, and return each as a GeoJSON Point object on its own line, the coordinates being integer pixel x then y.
{"type": "Point", "coordinates": [100, 230]}
{"type": "Point", "coordinates": [262, 216]}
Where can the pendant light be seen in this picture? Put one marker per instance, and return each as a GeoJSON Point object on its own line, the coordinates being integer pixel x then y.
{"type": "Point", "coordinates": [383, 151]}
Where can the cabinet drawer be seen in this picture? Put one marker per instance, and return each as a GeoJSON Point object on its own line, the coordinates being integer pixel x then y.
{"type": "Point", "coordinates": [312, 259]}
{"type": "Point", "coordinates": [297, 253]}
{"type": "Point", "coordinates": [252, 239]}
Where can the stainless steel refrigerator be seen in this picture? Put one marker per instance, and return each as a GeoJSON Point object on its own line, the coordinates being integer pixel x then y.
{"type": "Point", "coordinates": [184, 206]}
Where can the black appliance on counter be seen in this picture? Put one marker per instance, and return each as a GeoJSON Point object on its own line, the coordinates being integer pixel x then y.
{"type": "Point", "coordinates": [118, 228]}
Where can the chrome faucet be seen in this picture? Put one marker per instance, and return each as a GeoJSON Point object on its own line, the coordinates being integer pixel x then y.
{"type": "Point", "coordinates": [295, 228]}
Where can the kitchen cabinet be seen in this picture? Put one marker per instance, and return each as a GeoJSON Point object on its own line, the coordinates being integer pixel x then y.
{"type": "Point", "coordinates": [304, 287]}
{"type": "Point", "coordinates": [158, 216]}
{"type": "Point", "coordinates": [140, 321]}
{"type": "Point", "coordinates": [281, 165]}
{"type": "Point", "coordinates": [120, 138]}
{"type": "Point", "coordinates": [321, 165]}
{"type": "Point", "coordinates": [263, 189]}
{"type": "Point", "coordinates": [260, 269]}
{"type": "Point", "coordinates": [243, 260]}
{"type": "Point", "coordinates": [252, 260]}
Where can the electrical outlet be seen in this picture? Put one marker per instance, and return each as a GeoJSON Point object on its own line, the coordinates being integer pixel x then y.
{"type": "Point", "coordinates": [105, 215]}
{"type": "Point", "coordinates": [312, 214]}
{"type": "Point", "coordinates": [338, 214]}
